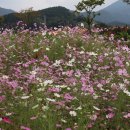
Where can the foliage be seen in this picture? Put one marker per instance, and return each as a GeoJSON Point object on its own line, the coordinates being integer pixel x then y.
{"type": "Point", "coordinates": [29, 16]}
{"type": "Point", "coordinates": [1, 19]}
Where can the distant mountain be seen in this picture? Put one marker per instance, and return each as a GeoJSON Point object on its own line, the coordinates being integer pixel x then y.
{"type": "Point", "coordinates": [117, 13]}
{"type": "Point", "coordinates": [53, 16]}
{"type": "Point", "coordinates": [57, 15]}
{"type": "Point", "coordinates": [4, 11]}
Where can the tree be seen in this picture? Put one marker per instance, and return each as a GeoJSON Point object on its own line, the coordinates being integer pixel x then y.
{"type": "Point", "coordinates": [89, 6]}
{"type": "Point", "coordinates": [28, 15]}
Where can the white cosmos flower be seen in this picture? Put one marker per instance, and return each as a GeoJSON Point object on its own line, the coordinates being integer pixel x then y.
{"type": "Point", "coordinates": [5, 77]}
{"type": "Point", "coordinates": [89, 60]}
{"type": "Point", "coordinates": [107, 90]}
{"type": "Point", "coordinates": [127, 63]}
{"type": "Point", "coordinates": [70, 63]}
{"type": "Point", "coordinates": [73, 113]}
{"type": "Point", "coordinates": [46, 82]}
{"type": "Point", "coordinates": [106, 54]}
{"type": "Point", "coordinates": [126, 81]}
{"type": "Point", "coordinates": [51, 100]}
{"type": "Point", "coordinates": [88, 66]}
{"type": "Point", "coordinates": [95, 96]}
{"type": "Point", "coordinates": [57, 63]}
{"type": "Point", "coordinates": [61, 86]}
{"type": "Point", "coordinates": [92, 53]}
{"type": "Point", "coordinates": [70, 55]}
{"type": "Point", "coordinates": [25, 97]}
{"type": "Point", "coordinates": [38, 79]}
{"type": "Point", "coordinates": [1, 119]}
{"type": "Point", "coordinates": [68, 88]}
{"type": "Point", "coordinates": [36, 50]}
{"type": "Point", "coordinates": [96, 108]}
{"type": "Point", "coordinates": [45, 108]}
{"type": "Point", "coordinates": [8, 114]}
{"type": "Point", "coordinates": [40, 89]}
{"type": "Point", "coordinates": [126, 92]}
{"type": "Point", "coordinates": [72, 60]}
{"type": "Point", "coordinates": [44, 33]}
{"type": "Point", "coordinates": [122, 86]}
{"type": "Point", "coordinates": [33, 72]}
{"type": "Point", "coordinates": [56, 95]}
{"type": "Point", "coordinates": [79, 108]}
{"type": "Point", "coordinates": [47, 49]}
{"type": "Point", "coordinates": [82, 25]}
{"type": "Point", "coordinates": [64, 121]}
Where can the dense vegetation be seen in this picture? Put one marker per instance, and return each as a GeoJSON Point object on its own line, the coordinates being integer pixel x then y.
{"type": "Point", "coordinates": [63, 80]}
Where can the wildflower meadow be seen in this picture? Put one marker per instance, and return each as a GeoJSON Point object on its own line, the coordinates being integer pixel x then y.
{"type": "Point", "coordinates": [63, 79]}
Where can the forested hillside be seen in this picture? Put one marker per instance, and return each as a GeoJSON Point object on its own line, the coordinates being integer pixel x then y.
{"type": "Point", "coordinates": [53, 16]}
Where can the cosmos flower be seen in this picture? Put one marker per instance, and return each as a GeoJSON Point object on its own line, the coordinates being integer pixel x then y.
{"type": "Point", "coordinates": [24, 128]}
{"type": "Point", "coordinates": [6, 120]}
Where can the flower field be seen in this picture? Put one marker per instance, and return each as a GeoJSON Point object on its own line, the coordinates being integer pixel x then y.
{"type": "Point", "coordinates": [63, 80]}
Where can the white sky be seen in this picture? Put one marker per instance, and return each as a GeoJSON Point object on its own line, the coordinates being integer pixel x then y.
{"type": "Point", "coordinates": [17, 5]}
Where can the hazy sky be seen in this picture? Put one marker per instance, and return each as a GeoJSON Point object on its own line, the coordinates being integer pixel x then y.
{"type": "Point", "coordinates": [17, 5]}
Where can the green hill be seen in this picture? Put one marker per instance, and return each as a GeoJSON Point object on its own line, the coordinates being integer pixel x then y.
{"type": "Point", "coordinates": [54, 16]}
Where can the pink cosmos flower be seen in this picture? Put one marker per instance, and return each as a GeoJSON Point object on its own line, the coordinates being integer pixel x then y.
{"type": "Point", "coordinates": [91, 90]}
{"type": "Point", "coordinates": [78, 73]}
{"type": "Point", "coordinates": [90, 125]}
{"type": "Point", "coordinates": [61, 103]}
{"type": "Point", "coordinates": [122, 72]}
{"type": "Point", "coordinates": [33, 118]}
{"type": "Point", "coordinates": [58, 125]}
{"type": "Point", "coordinates": [67, 96]}
{"type": "Point", "coordinates": [84, 88]}
{"type": "Point", "coordinates": [55, 90]}
{"type": "Point", "coordinates": [13, 84]}
{"type": "Point", "coordinates": [31, 77]}
{"type": "Point", "coordinates": [100, 58]}
{"type": "Point", "coordinates": [26, 65]}
{"type": "Point", "coordinates": [25, 128]}
{"type": "Point", "coordinates": [125, 48]}
{"type": "Point", "coordinates": [120, 64]}
{"type": "Point", "coordinates": [87, 88]}
{"type": "Point", "coordinates": [68, 129]}
{"type": "Point", "coordinates": [6, 120]}
{"type": "Point", "coordinates": [19, 23]}
{"type": "Point", "coordinates": [46, 58]}
{"type": "Point", "coordinates": [69, 73]}
{"type": "Point", "coordinates": [93, 117]}
{"type": "Point", "coordinates": [127, 115]}
{"type": "Point", "coordinates": [2, 98]}
{"type": "Point", "coordinates": [110, 115]}
{"type": "Point", "coordinates": [44, 63]}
